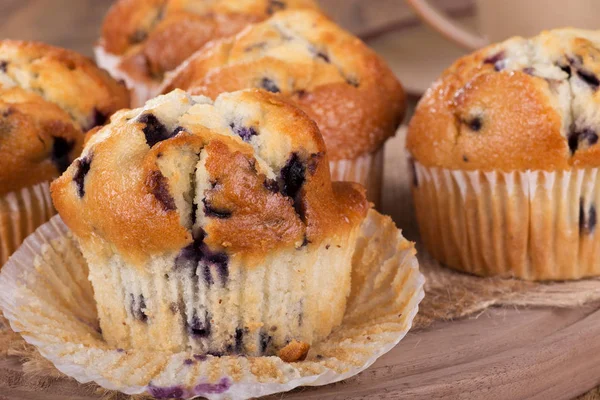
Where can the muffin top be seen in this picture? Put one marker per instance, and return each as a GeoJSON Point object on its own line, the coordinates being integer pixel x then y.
{"type": "Point", "coordinates": [524, 104]}
{"type": "Point", "coordinates": [49, 98]}
{"type": "Point", "coordinates": [155, 36]}
{"type": "Point", "coordinates": [243, 176]}
{"type": "Point", "coordinates": [334, 77]}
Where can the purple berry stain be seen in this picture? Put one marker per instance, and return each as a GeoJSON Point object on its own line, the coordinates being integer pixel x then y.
{"type": "Point", "coordinates": [197, 254]}
{"type": "Point", "coordinates": [244, 132]}
{"type": "Point", "coordinates": [83, 167]}
{"type": "Point", "coordinates": [159, 187]}
{"type": "Point", "coordinates": [587, 220]}
{"type": "Point", "coordinates": [269, 85]}
{"type": "Point", "coordinates": [60, 153]}
{"type": "Point", "coordinates": [154, 130]}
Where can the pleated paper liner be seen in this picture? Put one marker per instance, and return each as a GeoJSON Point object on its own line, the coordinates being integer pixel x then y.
{"type": "Point", "coordinates": [533, 225]}
{"type": "Point", "coordinates": [21, 213]}
{"type": "Point", "coordinates": [46, 296]}
{"type": "Point", "coordinates": [366, 170]}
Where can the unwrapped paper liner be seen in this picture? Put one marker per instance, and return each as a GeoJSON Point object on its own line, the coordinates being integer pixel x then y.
{"type": "Point", "coordinates": [534, 225]}
{"type": "Point", "coordinates": [21, 213]}
{"type": "Point", "coordinates": [366, 169]}
{"type": "Point", "coordinates": [46, 296]}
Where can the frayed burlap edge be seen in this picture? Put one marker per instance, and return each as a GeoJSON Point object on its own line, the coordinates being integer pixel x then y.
{"type": "Point", "coordinates": [450, 294]}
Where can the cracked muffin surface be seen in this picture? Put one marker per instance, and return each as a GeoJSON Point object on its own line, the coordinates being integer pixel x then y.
{"type": "Point", "coordinates": [523, 104]}
{"type": "Point", "coordinates": [152, 37]}
{"type": "Point", "coordinates": [300, 54]}
{"type": "Point", "coordinates": [212, 226]}
{"type": "Point", "coordinates": [49, 98]}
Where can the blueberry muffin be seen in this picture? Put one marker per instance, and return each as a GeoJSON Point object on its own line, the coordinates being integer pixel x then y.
{"type": "Point", "coordinates": [334, 77]}
{"type": "Point", "coordinates": [213, 227]}
{"type": "Point", "coordinates": [143, 39]}
{"type": "Point", "coordinates": [49, 98]}
{"type": "Point", "coordinates": [506, 157]}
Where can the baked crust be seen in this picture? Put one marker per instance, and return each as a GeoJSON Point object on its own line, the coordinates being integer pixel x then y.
{"type": "Point", "coordinates": [49, 98]}
{"type": "Point", "coordinates": [524, 104]}
{"type": "Point", "coordinates": [333, 76]}
{"type": "Point", "coordinates": [245, 176]}
{"type": "Point", "coordinates": [155, 36]}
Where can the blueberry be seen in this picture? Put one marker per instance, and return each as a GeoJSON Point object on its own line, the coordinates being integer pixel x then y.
{"type": "Point", "coordinates": [177, 130]}
{"type": "Point", "coordinates": [154, 130]}
{"type": "Point", "coordinates": [566, 69]}
{"type": "Point", "coordinates": [269, 85]}
{"type": "Point", "coordinates": [265, 341]}
{"type": "Point", "coordinates": [212, 388]}
{"type": "Point", "coordinates": [293, 176]}
{"type": "Point", "coordinates": [465, 158]}
{"type": "Point", "coordinates": [60, 153]}
{"type": "Point", "coordinates": [352, 81]}
{"type": "Point", "coordinates": [274, 6]}
{"type": "Point", "coordinates": [199, 328]}
{"type": "Point", "coordinates": [137, 308]}
{"type": "Point", "coordinates": [245, 133]}
{"type": "Point", "coordinates": [3, 66]}
{"type": "Point", "coordinates": [159, 187]}
{"type": "Point", "coordinates": [239, 340]}
{"type": "Point", "coordinates": [313, 162]}
{"type": "Point", "coordinates": [587, 223]}
{"type": "Point", "coordinates": [497, 60]}
{"type": "Point", "coordinates": [212, 212]}
{"type": "Point", "coordinates": [199, 253]}
{"type": "Point", "coordinates": [138, 36]}
{"type": "Point", "coordinates": [83, 167]}
{"type": "Point", "coordinates": [589, 78]}
{"type": "Point", "coordinates": [98, 119]}
{"type": "Point", "coordinates": [475, 124]}
{"type": "Point", "coordinates": [188, 361]}
{"type": "Point", "coordinates": [578, 137]}
{"type": "Point", "coordinates": [200, 357]}
{"type": "Point", "coordinates": [173, 392]}
{"type": "Point", "coordinates": [271, 185]}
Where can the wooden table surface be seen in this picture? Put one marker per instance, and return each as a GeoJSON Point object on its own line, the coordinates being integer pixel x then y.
{"type": "Point", "coordinates": [501, 354]}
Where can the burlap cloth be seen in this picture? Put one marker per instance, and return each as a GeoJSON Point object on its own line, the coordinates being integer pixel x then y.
{"type": "Point", "coordinates": [449, 295]}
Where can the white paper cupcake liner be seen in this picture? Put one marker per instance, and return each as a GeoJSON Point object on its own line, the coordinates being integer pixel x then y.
{"type": "Point", "coordinates": [21, 213]}
{"type": "Point", "coordinates": [533, 225]}
{"type": "Point", "coordinates": [366, 170]}
{"type": "Point", "coordinates": [139, 91]}
{"type": "Point", "coordinates": [46, 296]}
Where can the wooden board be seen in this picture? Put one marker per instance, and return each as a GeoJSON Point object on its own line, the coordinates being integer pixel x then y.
{"type": "Point", "coordinates": [501, 354]}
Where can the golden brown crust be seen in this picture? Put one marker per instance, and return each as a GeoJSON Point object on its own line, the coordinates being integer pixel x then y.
{"type": "Point", "coordinates": [524, 104]}
{"type": "Point", "coordinates": [155, 36]}
{"type": "Point", "coordinates": [335, 78]}
{"type": "Point", "coordinates": [49, 97]}
{"type": "Point", "coordinates": [246, 175]}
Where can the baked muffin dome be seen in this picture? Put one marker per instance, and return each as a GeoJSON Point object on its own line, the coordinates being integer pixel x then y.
{"type": "Point", "coordinates": [333, 76]}
{"type": "Point", "coordinates": [524, 104]}
{"type": "Point", "coordinates": [151, 37]}
{"type": "Point", "coordinates": [212, 226]}
{"type": "Point", "coordinates": [49, 98]}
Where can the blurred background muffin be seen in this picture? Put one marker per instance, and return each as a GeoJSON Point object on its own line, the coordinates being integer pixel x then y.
{"type": "Point", "coordinates": [334, 77]}
{"type": "Point", "coordinates": [49, 99]}
{"type": "Point", "coordinates": [506, 155]}
{"type": "Point", "coordinates": [143, 39]}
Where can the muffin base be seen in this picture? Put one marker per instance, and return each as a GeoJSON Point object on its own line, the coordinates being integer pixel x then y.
{"type": "Point", "coordinates": [45, 294]}
{"type": "Point", "coordinates": [21, 213]}
{"type": "Point", "coordinates": [298, 294]}
{"type": "Point", "coordinates": [533, 225]}
{"type": "Point", "coordinates": [366, 170]}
